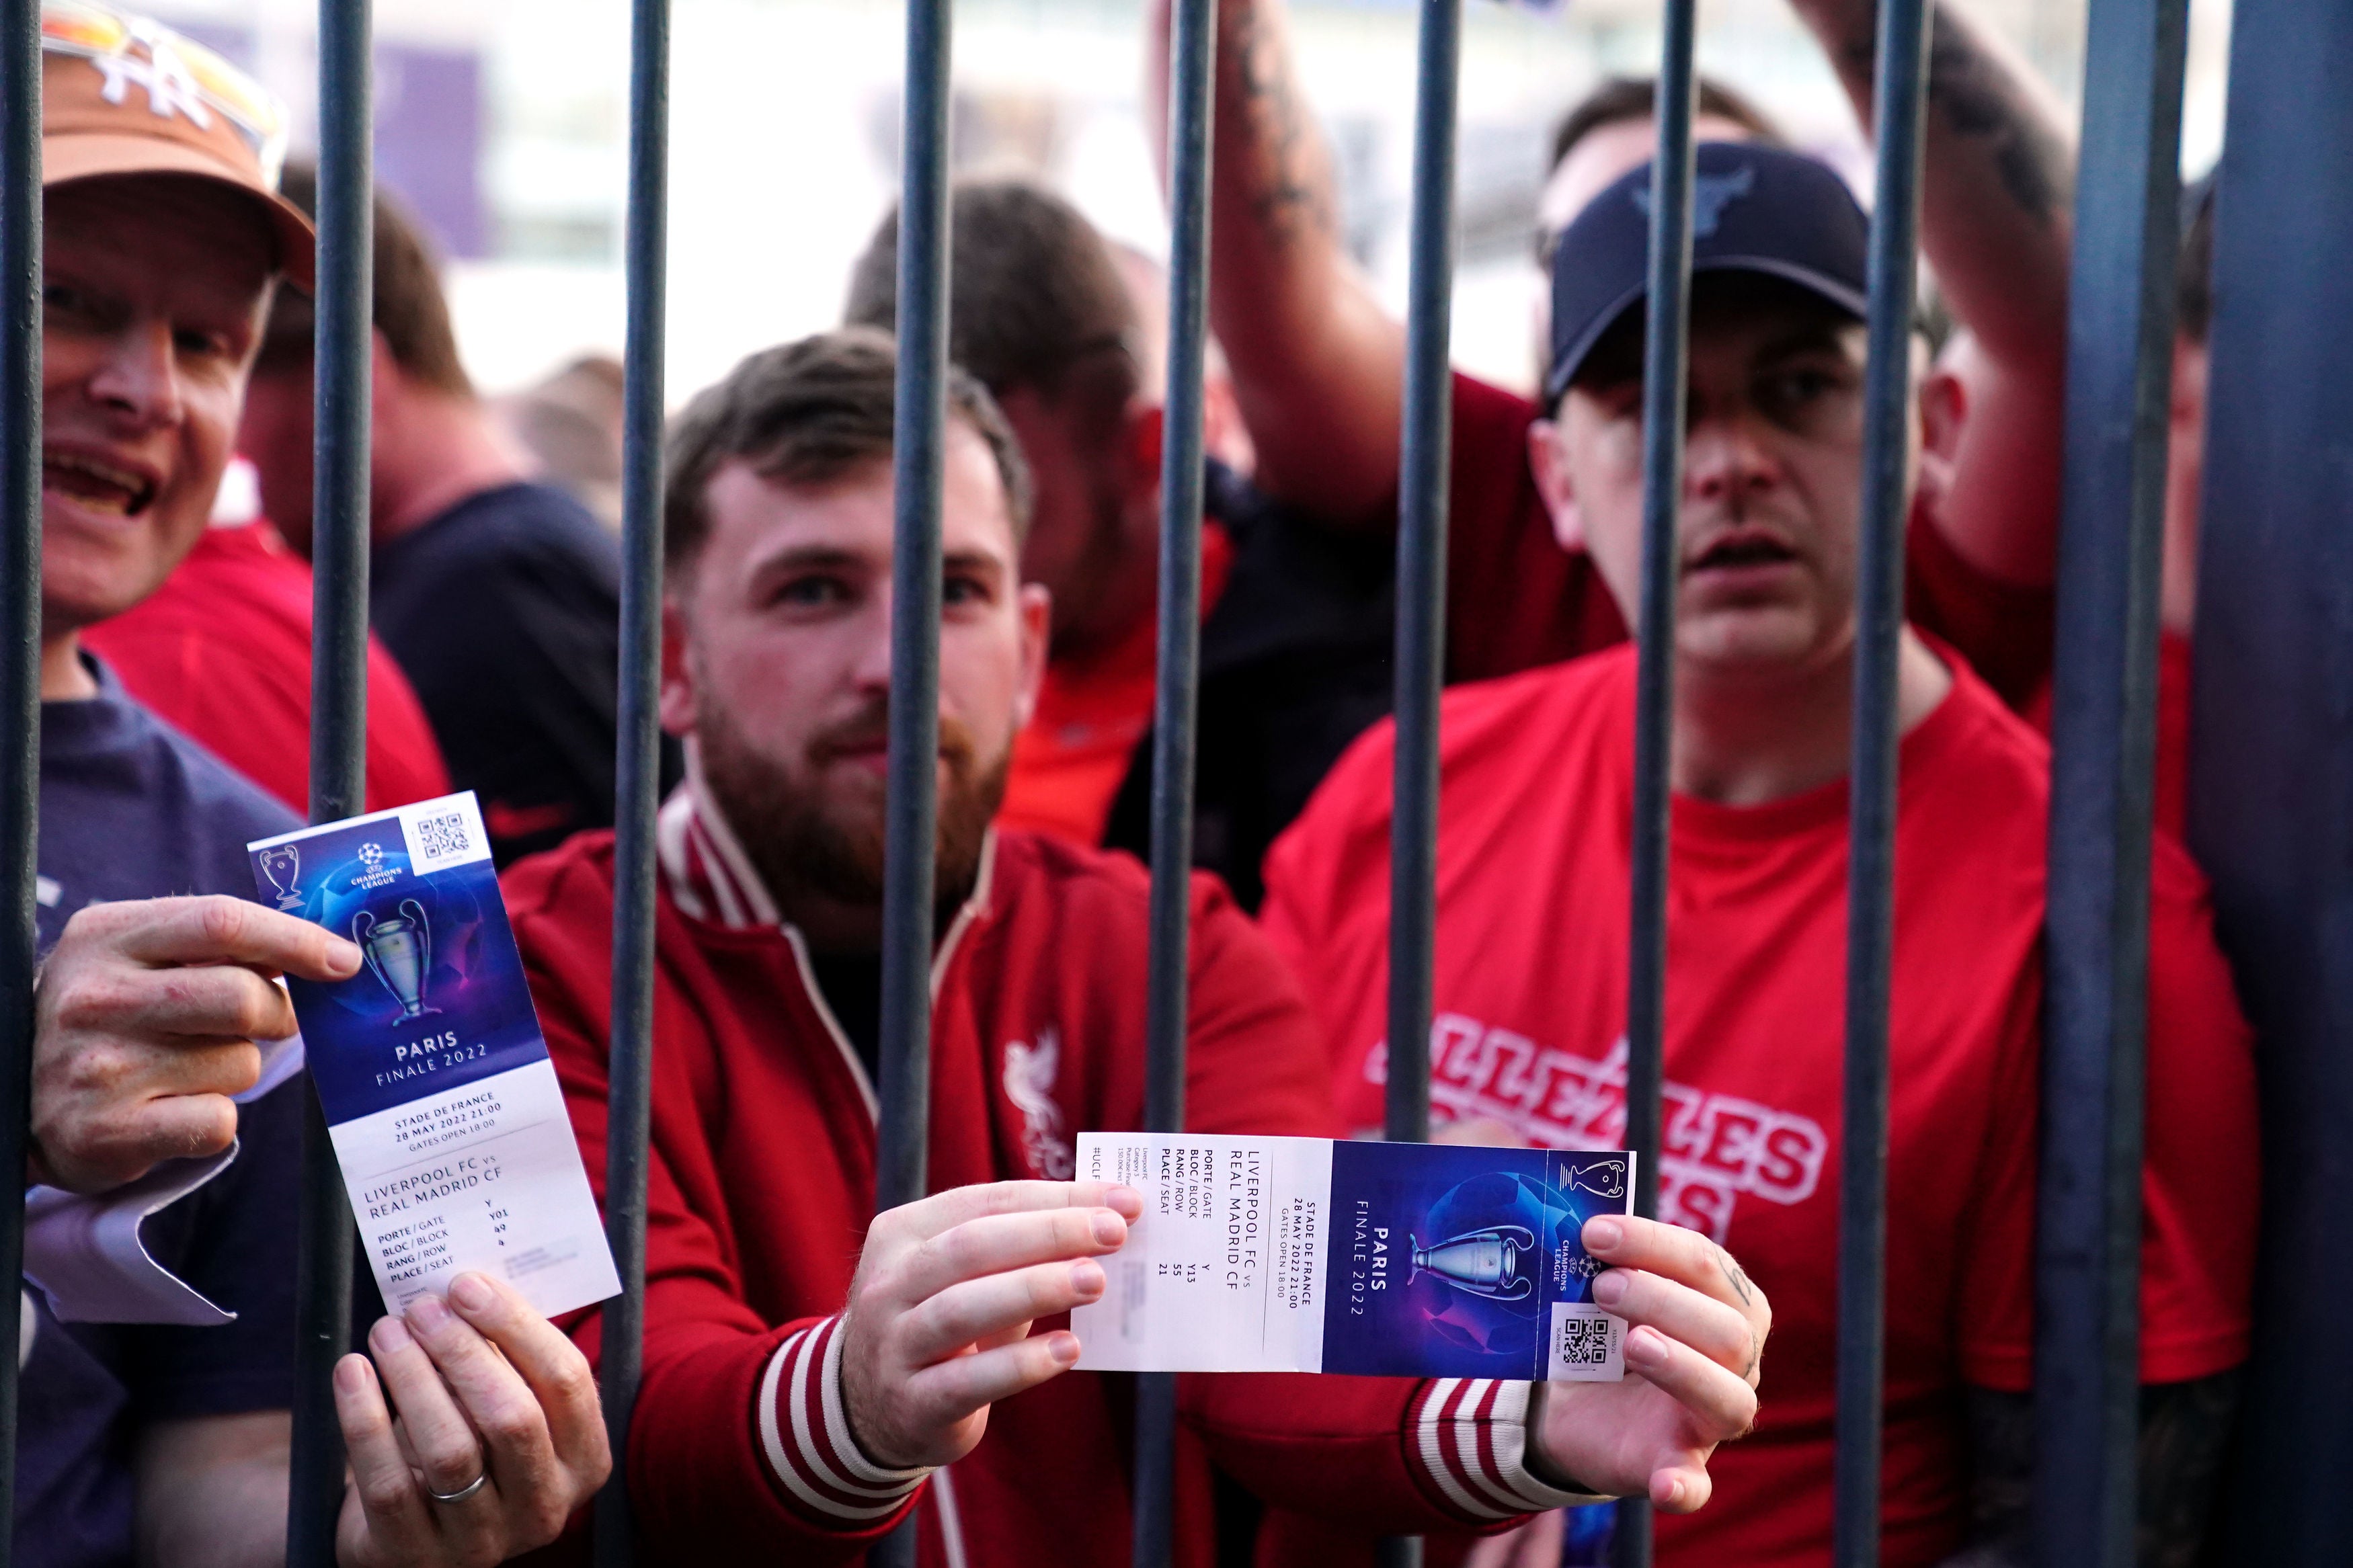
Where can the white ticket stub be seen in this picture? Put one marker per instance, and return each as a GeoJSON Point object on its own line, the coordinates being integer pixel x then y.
{"type": "Point", "coordinates": [1400, 1260]}
{"type": "Point", "coordinates": [446, 1114]}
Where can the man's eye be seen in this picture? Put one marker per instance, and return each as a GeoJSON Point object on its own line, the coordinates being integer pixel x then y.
{"type": "Point", "coordinates": [196, 342]}
{"type": "Point", "coordinates": [963, 591]}
{"type": "Point", "coordinates": [64, 298]}
{"type": "Point", "coordinates": [811, 592]}
{"type": "Point", "coordinates": [1797, 386]}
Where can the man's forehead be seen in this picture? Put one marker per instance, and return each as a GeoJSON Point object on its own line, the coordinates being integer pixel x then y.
{"type": "Point", "coordinates": [161, 221]}
{"type": "Point", "coordinates": [850, 516]}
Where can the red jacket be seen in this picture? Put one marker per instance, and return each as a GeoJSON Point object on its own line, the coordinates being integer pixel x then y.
{"type": "Point", "coordinates": [222, 651]}
{"type": "Point", "coordinates": [762, 1176]}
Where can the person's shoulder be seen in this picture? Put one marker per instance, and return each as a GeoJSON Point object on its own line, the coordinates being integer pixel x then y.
{"type": "Point", "coordinates": [520, 526]}
{"type": "Point", "coordinates": [1984, 751]}
{"type": "Point", "coordinates": [1032, 873]}
{"type": "Point", "coordinates": [569, 885]}
{"type": "Point", "coordinates": [192, 783]}
{"type": "Point", "coordinates": [1481, 725]}
{"type": "Point", "coordinates": [1545, 697]}
{"type": "Point", "coordinates": [1483, 408]}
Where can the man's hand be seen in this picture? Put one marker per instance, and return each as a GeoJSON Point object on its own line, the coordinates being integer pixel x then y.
{"type": "Point", "coordinates": [489, 1390]}
{"type": "Point", "coordinates": [1696, 1336]}
{"type": "Point", "coordinates": [145, 1020]}
{"type": "Point", "coordinates": [938, 1325]}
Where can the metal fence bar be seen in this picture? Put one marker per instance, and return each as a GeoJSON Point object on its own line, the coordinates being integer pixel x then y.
{"type": "Point", "coordinates": [2103, 746]}
{"type": "Point", "coordinates": [1423, 472]}
{"type": "Point", "coordinates": [1664, 366]}
{"type": "Point", "coordinates": [636, 762]}
{"type": "Point", "coordinates": [20, 661]}
{"type": "Point", "coordinates": [343, 352]}
{"type": "Point", "coordinates": [1192, 62]}
{"type": "Point", "coordinates": [911, 810]}
{"type": "Point", "coordinates": [2272, 754]}
{"type": "Point", "coordinates": [1902, 74]}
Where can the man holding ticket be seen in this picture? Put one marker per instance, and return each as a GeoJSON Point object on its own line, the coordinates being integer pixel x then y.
{"type": "Point", "coordinates": [810, 1378]}
{"type": "Point", "coordinates": [157, 1347]}
{"type": "Point", "coordinates": [1531, 939]}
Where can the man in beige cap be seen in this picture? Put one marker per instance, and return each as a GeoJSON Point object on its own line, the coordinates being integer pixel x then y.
{"type": "Point", "coordinates": [153, 1427]}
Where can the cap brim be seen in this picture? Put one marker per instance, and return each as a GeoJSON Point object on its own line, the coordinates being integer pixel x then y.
{"type": "Point", "coordinates": [1828, 287]}
{"type": "Point", "coordinates": [68, 158]}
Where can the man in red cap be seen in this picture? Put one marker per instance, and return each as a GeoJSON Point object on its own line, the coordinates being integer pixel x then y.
{"type": "Point", "coordinates": [154, 1426]}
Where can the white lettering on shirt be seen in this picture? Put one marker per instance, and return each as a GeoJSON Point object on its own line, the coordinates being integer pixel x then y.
{"type": "Point", "coordinates": [1715, 1146]}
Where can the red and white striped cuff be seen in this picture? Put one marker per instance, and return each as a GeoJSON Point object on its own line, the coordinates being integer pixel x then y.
{"type": "Point", "coordinates": [1469, 1437]}
{"type": "Point", "coordinates": [809, 1443]}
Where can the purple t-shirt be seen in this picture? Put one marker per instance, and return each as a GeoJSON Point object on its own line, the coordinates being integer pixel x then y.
{"type": "Point", "coordinates": [132, 809]}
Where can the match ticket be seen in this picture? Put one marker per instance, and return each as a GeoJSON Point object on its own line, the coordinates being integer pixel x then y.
{"type": "Point", "coordinates": [446, 1114]}
{"type": "Point", "coordinates": [1395, 1260]}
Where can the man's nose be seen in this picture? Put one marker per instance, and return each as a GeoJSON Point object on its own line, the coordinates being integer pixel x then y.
{"type": "Point", "coordinates": [1726, 460]}
{"type": "Point", "coordinates": [139, 378]}
{"type": "Point", "coordinates": [872, 669]}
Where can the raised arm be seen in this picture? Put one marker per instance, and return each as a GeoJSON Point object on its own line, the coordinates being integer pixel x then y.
{"type": "Point", "coordinates": [1996, 221]}
{"type": "Point", "coordinates": [1318, 366]}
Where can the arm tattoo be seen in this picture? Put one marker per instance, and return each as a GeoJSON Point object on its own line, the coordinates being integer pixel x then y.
{"type": "Point", "coordinates": [1974, 96]}
{"type": "Point", "coordinates": [1291, 191]}
{"type": "Point", "coordinates": [2185, 1428]}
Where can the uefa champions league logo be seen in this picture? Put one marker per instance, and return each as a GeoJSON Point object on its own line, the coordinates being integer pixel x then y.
{"type": "Point", "coordinates": [372, 855]}
{"type": "Point", "coordinates": [281, 865]}
{"type": "Point", "coordinates": [1489, 1262]}
{"type": "Point", "coordinates": [399, 950]}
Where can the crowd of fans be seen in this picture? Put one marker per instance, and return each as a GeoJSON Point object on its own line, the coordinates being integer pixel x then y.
{"type": "Point", "coordinates": [813, 1377]}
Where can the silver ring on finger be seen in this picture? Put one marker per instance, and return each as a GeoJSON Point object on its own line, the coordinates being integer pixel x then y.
{"type": "Point", "coordinates": [462, 1493]}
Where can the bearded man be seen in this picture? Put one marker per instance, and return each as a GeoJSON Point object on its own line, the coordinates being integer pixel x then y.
{"type": "Point", "coordinates": [811, 1379]}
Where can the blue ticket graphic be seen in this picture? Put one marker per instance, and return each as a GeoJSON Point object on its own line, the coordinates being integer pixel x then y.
{"type": "Point", "coordinates": [445, 1110]}
{"type": "Point", "coordinates": [1398, 1259]}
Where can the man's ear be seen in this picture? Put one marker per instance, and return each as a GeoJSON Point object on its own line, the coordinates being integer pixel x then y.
{"type": "Point", "coordinates": [1550, 466]}
{"type": "Point", "coordinates": [1944, 408]}
{"type": "Point", "coordinates": [1944, 413]}
{"type": "Point", "coordinates": [1036, 609]}
{"type": "Point", "coordinates": [677, 672]}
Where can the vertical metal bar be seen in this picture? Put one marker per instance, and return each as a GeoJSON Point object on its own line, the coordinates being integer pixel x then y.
{"type": "Point", "coordinates": [1902, 73]}
{"type": "Point", "coordinates": [911, 808]}
{"type": "Point", "coordinates": [2104, 748]}
{"type": "Point", "coordinates": [1421, 593]}
{"type": "Point", "coordinates": [2271, 750]}
{"type": "Point", "coordinates": [1421, 571]}
{"type": "Point", "coordinates": [344, 355]}
{"type": "Point", "coordinates": [1665, 367]}
{"type": "Point", "coordinates": [1192, 59]}
{"type": "Point", "coordinates": [20, 662]}
{"type": "Point", "coordinates": [637, 762]}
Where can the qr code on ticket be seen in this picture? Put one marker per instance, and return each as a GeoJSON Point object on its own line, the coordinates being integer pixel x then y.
{"type": "Point", "coordinates": [1588, 1344]}
{"type": "Point", "coordinates": [442, 838]}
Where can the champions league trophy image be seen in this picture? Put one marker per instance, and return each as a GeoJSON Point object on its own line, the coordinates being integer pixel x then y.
{"type": "Point", "coordinates": [1489, 1262]}
{"type": "Point", "coordinates": [281, 865]}
{"type": "Point", "coordinates": [400, 950]}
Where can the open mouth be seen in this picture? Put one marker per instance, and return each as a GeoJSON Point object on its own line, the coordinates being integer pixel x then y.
{"type": "Point", "coordinates": [1740, 550]}
{"type": "Point", "coordinates": [97, 484]}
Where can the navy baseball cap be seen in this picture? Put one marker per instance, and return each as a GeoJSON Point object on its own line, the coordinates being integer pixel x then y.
{"type": "Point", "coordinates": [1754, 208]}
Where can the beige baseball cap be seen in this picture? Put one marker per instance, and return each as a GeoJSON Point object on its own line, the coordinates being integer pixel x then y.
{"type": "Point", "coordinates": [124, 95]}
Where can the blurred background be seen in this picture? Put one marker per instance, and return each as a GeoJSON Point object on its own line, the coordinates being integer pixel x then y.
{"type": "Point", "coordinates": [503, 125]}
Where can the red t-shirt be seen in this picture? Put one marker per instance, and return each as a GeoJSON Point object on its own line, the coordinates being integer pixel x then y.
{"type": "Point", "coordinates": [1071, 757]}
{"type": "Point", "coordinates": [222, 651]}
{"type": "Point", "coordinates": [1530, 1018]}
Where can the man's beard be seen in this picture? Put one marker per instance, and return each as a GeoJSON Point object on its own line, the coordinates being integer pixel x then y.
{"type": "Point", "coordinates": [802, 850]}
